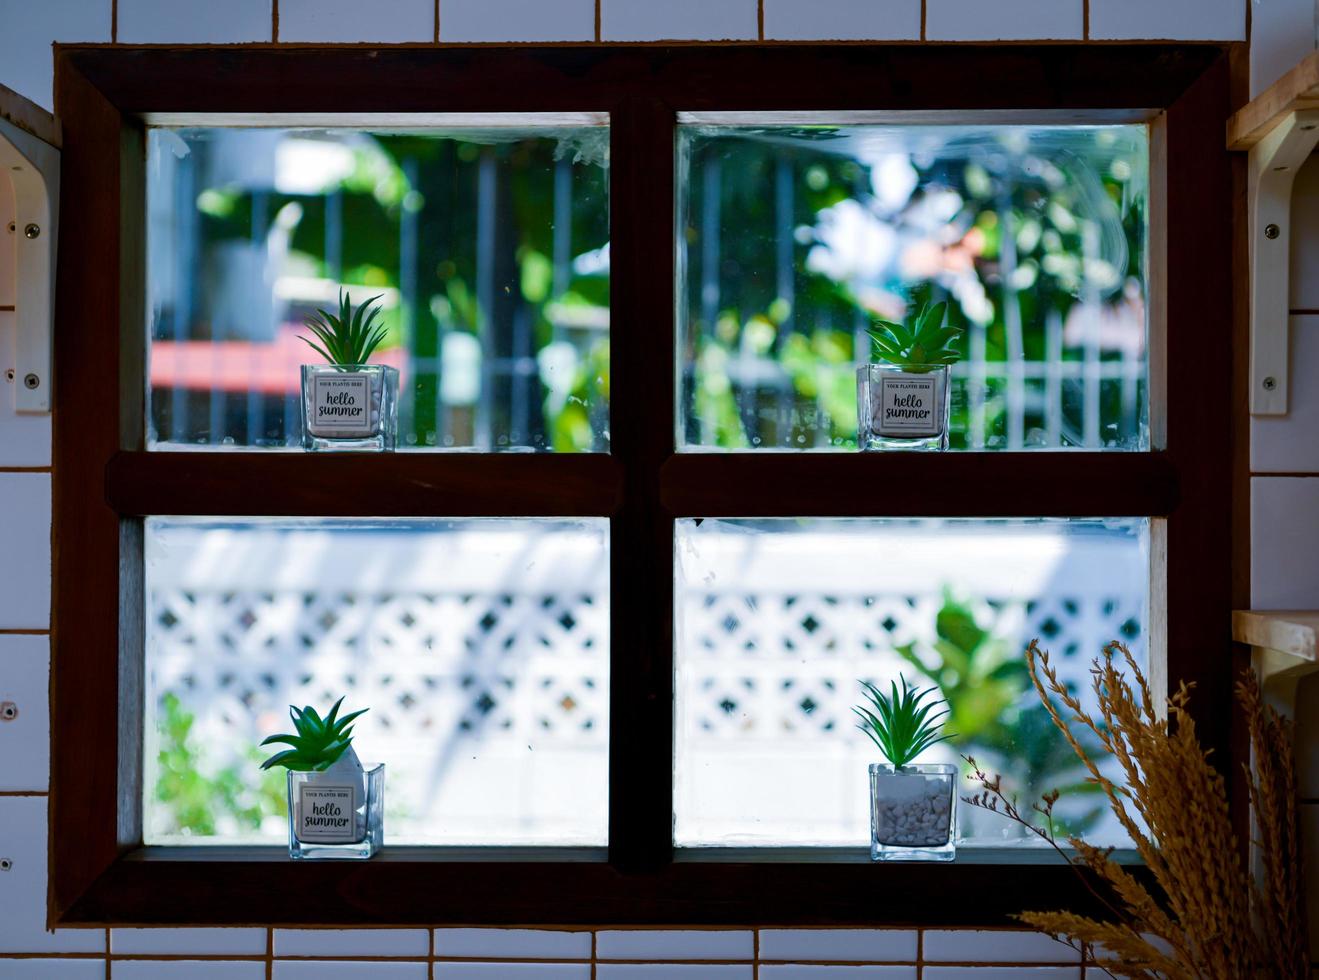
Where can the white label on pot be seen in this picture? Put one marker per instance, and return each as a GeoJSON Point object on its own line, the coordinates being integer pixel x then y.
{"type": "Point", "coordinates": [906, 405]}
{"type": "Point", "coordinates": [341, 402]}
{"type": "Point", "coordinates": [326, 813]}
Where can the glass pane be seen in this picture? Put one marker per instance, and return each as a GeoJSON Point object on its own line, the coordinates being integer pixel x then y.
{"type": "Point", "coordinates": [780, 620]}
{"type": "Point", "coordinates": [488, 249]}
{"type": "Point", "coordinates": [794, 237]}
{"type": "Point", "coordinates": [481, 648]}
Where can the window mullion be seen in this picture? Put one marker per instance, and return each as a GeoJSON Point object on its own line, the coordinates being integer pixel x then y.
{"type": "Point", "coordinates": [642, 439]}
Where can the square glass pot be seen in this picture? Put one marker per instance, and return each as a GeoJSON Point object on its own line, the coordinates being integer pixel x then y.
{"type": "Point", "coordinates": [349, 407]}
{"type": "Point", "coordinates": [913, 812]}
{"type": "Point", "coordinates": [902, 407]}
{"type": "Point", "coordinates": [333, 815]}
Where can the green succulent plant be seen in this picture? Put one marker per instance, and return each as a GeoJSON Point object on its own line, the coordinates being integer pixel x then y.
{"type": "Point", "coordinates": [349, 338]}
{"type": "Point", "coordinates": [318, 744]}
{"type": "Point", "coordinates": [900, 723]}
{"type": "Point", "coordinates": [923, 344]}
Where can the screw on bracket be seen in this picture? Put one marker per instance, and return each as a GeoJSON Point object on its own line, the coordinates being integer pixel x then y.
{"type": "Point", "coordinates": [6, 864]}
{"type": "Point", "coordinates": [8, 711]}
{"type": "Point", "coordinates": [1270, 384]}
{"type": "Point", "coordinates": [31, 381]}
{"type": "Point", "coordinates": [1272, 231]}
{"type": "Point", "coordinates": [32, 231]}
{"type": "Point", "coordinates": [9, 374]}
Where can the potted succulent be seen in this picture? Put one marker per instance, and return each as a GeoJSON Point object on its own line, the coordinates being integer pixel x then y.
{"type": "Point", "coordinates": [912, 815]}
{"type": "Point", "coordinates": [902, 401]}
{"type": "Point", "coordinates": [336, 806]}
{"type": "Point", "coordinates": [348, 404]}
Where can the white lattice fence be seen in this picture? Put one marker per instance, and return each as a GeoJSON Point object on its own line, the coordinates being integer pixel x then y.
{"type": "Point", "coordinates": [483, 652]}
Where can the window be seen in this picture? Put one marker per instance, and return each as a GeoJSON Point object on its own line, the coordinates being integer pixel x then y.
{"type": "Point", "coordinates": [606, 584]}
{"type": "Point", "coordinates": [485, 244]}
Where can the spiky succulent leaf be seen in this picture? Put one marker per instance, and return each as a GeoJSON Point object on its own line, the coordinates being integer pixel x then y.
{"type": "Point", "coordinates": [349, 338]}
{"type": "Point", "coordinates": [921, 344]}
{"type": "Point", "coordinates": [319, 742]}
{"type": "Point", "coordinates": [900, 722]}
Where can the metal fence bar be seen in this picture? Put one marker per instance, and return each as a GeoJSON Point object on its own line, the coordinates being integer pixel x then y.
{"type": "Point", "coordinates": [485, 296]}
{"type": "Point", "coordinates": [1016, 394]}
{"type": "Point", "coordinates": [407, 300]}
{"type": "Point", "coordinates": [1053, 388]}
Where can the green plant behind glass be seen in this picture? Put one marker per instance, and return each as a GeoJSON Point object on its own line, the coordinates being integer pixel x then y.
{"type": "Point", "coordinates": [349, 338]}
{"type": "Point", "coordinates": [194, 797]}
{"type": "Point", "coordinates": [901, 724]}
{"type": "Point", "coordinates": [993, 710]}
{"type": "Point", "coordinates": [318, 743]}
{"type": "Point", "coordinates": [921, 345]}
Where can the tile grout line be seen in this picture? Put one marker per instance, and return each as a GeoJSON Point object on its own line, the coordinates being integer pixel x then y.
{"type": "Point", "coordinates": [1085, 20]}
{"type": "Point", "coordinates": [597, 38]}
{"type": "Point", "coordinates": [437, 21]}
{"type": "Point", "coordinates": [760, 19]}
{"type": "Point", "coordinates": [274, 21]}
{"type": "Point", "coordinates": [114, 21]}
{"type": "Point", "coordinates": [924, 3]}
{"type": "Point", "coordinates": [270, 953]}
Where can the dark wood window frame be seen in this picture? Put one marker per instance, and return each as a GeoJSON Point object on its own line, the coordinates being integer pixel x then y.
{"type": "Point", "coordinates": [104, 481]}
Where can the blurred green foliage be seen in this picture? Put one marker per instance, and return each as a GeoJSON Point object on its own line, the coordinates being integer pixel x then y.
{"type": "Point", "coordinates": [193, 795]}
{"type": "Point", "coordinates": [996, 716]}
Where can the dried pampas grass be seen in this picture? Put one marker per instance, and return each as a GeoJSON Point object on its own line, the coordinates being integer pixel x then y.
{"type": "Point", "coordinates": [1211, 918]}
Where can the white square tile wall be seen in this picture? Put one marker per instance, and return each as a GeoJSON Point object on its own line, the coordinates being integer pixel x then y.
{"type": "Point", "coordinates": [847, 945]}
{"type": "Point", "coordinates": [1198, 20]}
{"type": "Point", "coordinates": [513, 944]}
{"type": "Point", "coordinates": [1287, 443]}
{"type": "Point", "coordinates": [352, 942]}
{"type": "Point", "coordinates": [172, 22]}
{"type": "Point", "coordinates": [52, 969]}
{"type": "Point", "coordinates": [24, 439]}
{"type": "Point", "coordinates": [1001, 973]}
{"type": "Point", "coordinates": [1281, 34]}
{"type": "Point", "coordinates": [843, 20]}
{"type": "Point", "coordinates": [189, 970]}
{"type": "Point", "coordinates": [351, 21]}
{"type": "Point", "coordinates": [672, 971]}
{"type": "Point", "coordinates": [515, 20]}
{"type": "Point", "coordinates": [359, 970]}
{"type": "Point", "coordinates": [512, 971]}
{"type": "Point", "coordinates": [980, 20]}
{"type": "Point", "coordinates": [188, 942]}
{"type": "Point", "coordinates": [24, 713]}
{"type": "Point", "coordinates": [677, 20]}
{"type": "Point", "coordinates": [816, 971]}
{"type": "Point", "coordinates": [23, 887]}
{"type": "Point", "coordinates": [961, 946]}
{"type": "Point", "coordinates": [672, 944]}
{"type": "Point", "coordinates": [25, 543]}
{"type": "Point", "coordinates": [1284, 550]}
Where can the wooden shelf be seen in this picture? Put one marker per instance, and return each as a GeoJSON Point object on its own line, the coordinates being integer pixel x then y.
{"type": "Point", "coordinates": [1298, 89]}
{"type": "Point", "coordinates": [1292, 632]}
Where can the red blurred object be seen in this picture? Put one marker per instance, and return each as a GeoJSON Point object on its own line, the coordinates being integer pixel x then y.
{"type": "Point", "coordinates": [272, 368]}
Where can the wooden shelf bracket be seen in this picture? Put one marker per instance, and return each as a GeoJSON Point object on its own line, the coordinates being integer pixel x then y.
{"type": "Point", "coordinates": [30, 159]}
{"type": "Point", "coordinates": [1283, 650]}
{"type": "Point", "coordinates": [1274, 161]}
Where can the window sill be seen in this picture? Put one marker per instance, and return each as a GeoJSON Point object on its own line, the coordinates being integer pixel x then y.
{"type": "Point", "coordinates": [574, 886]}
